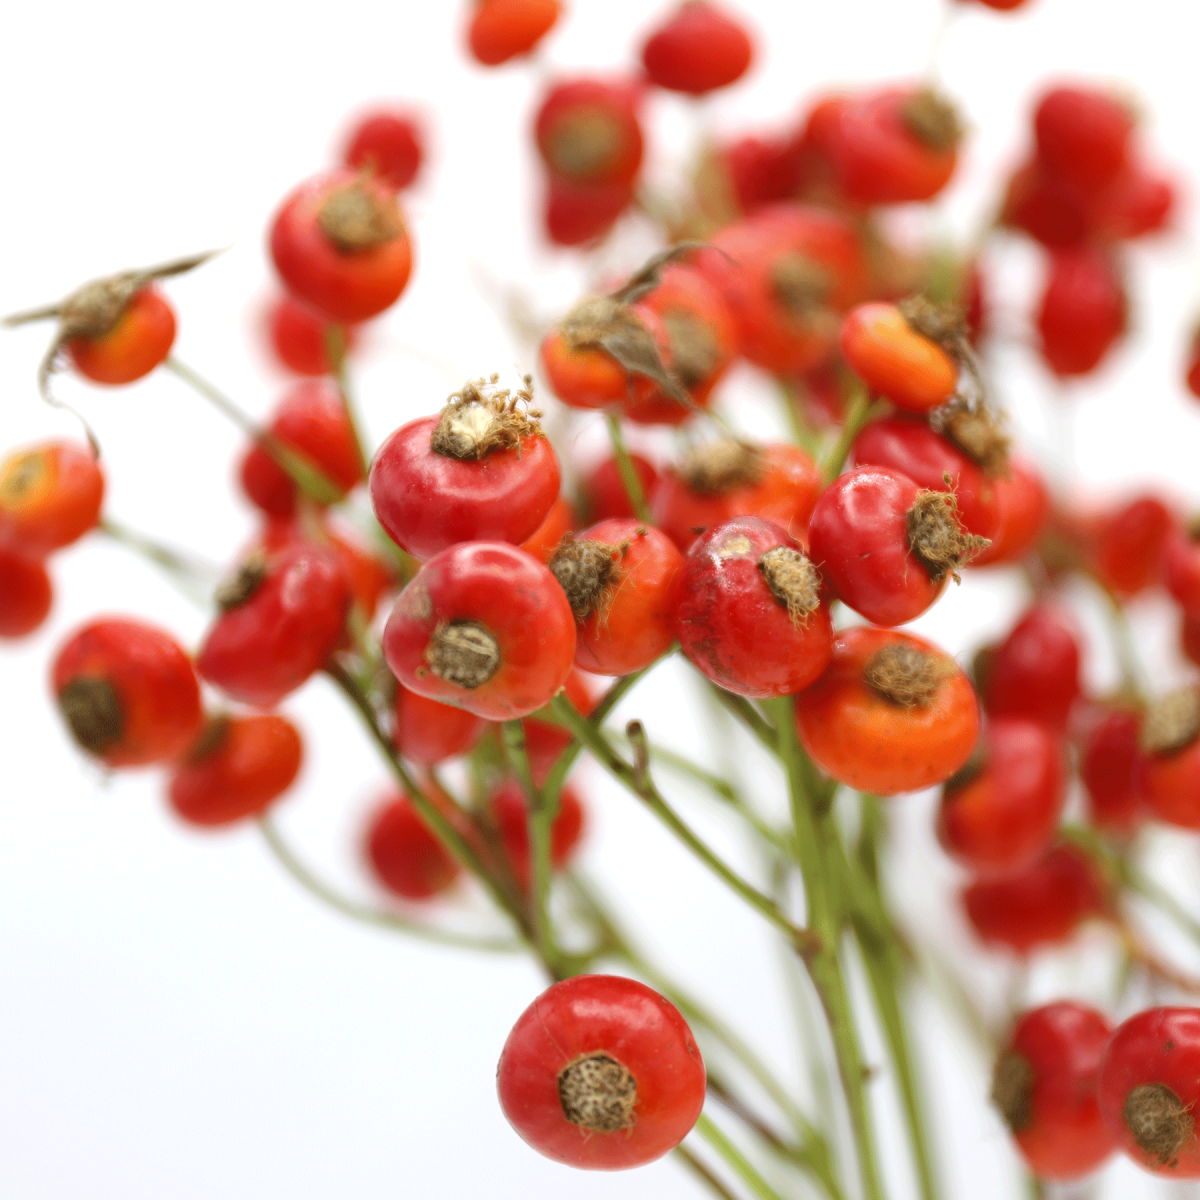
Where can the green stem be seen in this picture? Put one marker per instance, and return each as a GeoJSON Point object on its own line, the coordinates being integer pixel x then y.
{"type": "Point", "coordinates": [712, 1134]}
{"type": "Point", "coordinates": [814, 831]}
{"type": "Point", "coordinates": [637, 780]}
{"type": "Point", "coordinates": [861, 410]}
{"type": "Point", "coordinates": [335, 345]}
{"type": "Point", "coordinates": [626, 469]}
{"type": "Point", "coordinates": [542, 810]}
{"type": "Point", "coordinates": [703, 1173]}
{"type": "Point", "coordinates": [430, 813]}
{"type": "Point", "coordinates": [370, 916]}
{"type": "Point", "coordinates": [745, 712]}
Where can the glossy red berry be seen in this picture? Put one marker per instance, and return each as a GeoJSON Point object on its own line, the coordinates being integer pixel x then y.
{"type": "Point", "coordinates": [1023, 506]}
{"type": "Point", "coordinates": [927, 457]}
{"type": "Point", "coordinates": [1110, 769]}
{"type": "Point", "coordinates": [893, 145]}
{"type": "Point", "coordinates": [282, 616]}
{"type": "Point", "coordinates": [339, 244]}
{"type": "Point", "coordinates": [428, 732]}
{"type": "Point", "coordinates": [750, 613]}
{"type": "Point", "coordinates": [603, 490]}
{"type": "Point", "coordinates": [297, 337]}
{"type": "Point", "coordinates": [1169, 767]}
{"type": "Point", "coordinates": [485, 626]}
{"type": "Point", "coordinates": [1034, 672]}
{"type": "Point", "coordinates": [386, 142]}
{"type": "Point", "coordinates": [511, 813]}
{"type": "Point", "coordinates": [601, 1072]}
{"type": "Point", "coordinates": [1149, 1085]}
{"type": "Point", "coordinates": [722, 480]}
{"type": "Point", "coordinates": [1082, 135]}
{"type": "Point", "coordinates": [1039, 906]}
{"type": "Point", "coordinates": [128, 692]}
{"type": "Point", "coordinates": [481, 470]}
{"type": "Point", "coordinates": [1130, 544]}
{"type": "Point", "coordinates": [141, 339]}
{"type": "Point", "coordinates": [893, 713]}
{"type": "Point", "coordinates": [237, 768]}
{"type": "Point", "coordinates": [1082, 311]}
{"type": "Point", "coordinates": [25, 594]}
{"type": "Point", "coordinates": [698, 49]}
{"type": "Point", "coordinates": [1000, 812]}
{"type": "Point", "coordinates": [588, 131]}
{"type": "Point", "coordinates": [886, 547]}
{"type": "Point", "coordinates": [787, 273]}
{"type": "Point", "coordinates": [895, 359]}
{"type": "Point", "coordinates": [404, 853]}
{"type": "Point", "coordinates": [50, 496]}
{"type": "Point", "coordinates": [620, 578]}
{"type": "Point", "coordinates": [500, 30]}
{"type": "Point", "coordinates": [310, 420]}
{"type": "Point", "coordinates": [1045, 1086]}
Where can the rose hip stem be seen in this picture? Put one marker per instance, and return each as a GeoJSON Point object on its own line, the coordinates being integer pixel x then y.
{"type": "Point", "coordinates": [626, 469]}
{"type": "Point", "coordinates": [335, 345]}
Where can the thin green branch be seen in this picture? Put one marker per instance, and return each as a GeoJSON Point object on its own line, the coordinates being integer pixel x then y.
{"type": "Point", "coordinates": [713, 1135]}
{"type": "Point", "coordinates": [697, 1167]}
{"type": "Point", "coordinates": [626, 469]}
{"type": "Point", "coordinates": [371, 916]}
{"type": "Point", "coordinates": [861, 411]}
{"type": "Point", "coordinates": [335, 345]}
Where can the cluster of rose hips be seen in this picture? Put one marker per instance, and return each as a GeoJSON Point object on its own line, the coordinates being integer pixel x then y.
{"type": "Point", "coordinates": [781, 571]}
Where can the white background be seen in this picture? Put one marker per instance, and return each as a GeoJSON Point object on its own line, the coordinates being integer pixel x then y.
{"type": "Point", "coordinates": [176, 1019]}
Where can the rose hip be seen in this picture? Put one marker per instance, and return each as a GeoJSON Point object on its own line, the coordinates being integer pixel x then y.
{"type": "Point", "coordinates": [25, 594]}
{"type": "Point", "coordinates": [603, 490]}
{"type": "Point", "coordinates": [1082, 311]}
{"type": "Point", "coordinates": [297, 337]}
{"type": "Point", "coordinates": [697, 50]}
{"type": "Point", "coordinates": [1169, 769]}
{"type": "Point", "coordinates": [588, 131]}
{"type": "Point", "coordinates": [511, 814]}
{"type": "Point", "coordinates": [140, 339]}
{"type": "Point", "coordinates": [404, 854]}
{"type": "Point", "coordinates": [500, 30]}
{"type": "Point", "coordinates": [50, 496]}
{"type": "Point", "coordinates": [428, 732]}
{"type": "Point", "coordinates": [1034, 672]}
{"type": "Point", "coordinates": [1110, 761]}
{"type": "Point", "coordinates": [386, 142]}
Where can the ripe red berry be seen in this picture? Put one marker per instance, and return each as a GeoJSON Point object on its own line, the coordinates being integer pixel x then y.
{"type": "Point", "coordinates": [1082, 135]}
{"type": "Point", "coordinates": [485, 626]}
{"type": "Point", "coordinates": [403, 852]}
{"type": "Point", "coordinates": [1000, 812]}
{"type": "Point", "coordinates": [236, 769]}
{"type": "Point", "coordinates": [511, 813]}
{"type": "Point", "coordinates": [1169, 768]}
{"type": "Point", "coordinates": [722, 480]}
{"type": "Point", "coordinates": [297, 337]}
{"type": "Point", "coordinates": [746, 175]}
{"type": "Point", "coordinates": [588, 131]}
{"type": "Point", "coordinates": [50, 496]}
{"type": "Point", "coordinates": [1023, 506]}
{"type": "Point", "coordinates": [927, 457]}
{"type": "Point", "coordinates": [1045, 1086]}
{"type": "Point", "coordinates": [559, 521]}
{"type": "Point", "coordinates": [480, 470]}
{"type": "Point", "coordinates": [1082, 311]}
{"type": "Point", "coordinates": [893, 145]}
{"type": "Point", "coordinates": [1130, 544]}
{"type": "Point", "coordinates": [698, 49]}
{"type": "Point", "coordinates": [893, 713]}
{"type": "Point", "coordinates": [1034, 672]}
{"type": "Point", "coordinates": [25, 594]}
{"type": "Point", "coordinates": [1110, 770]}
{"type": "Point", "coordinates": [127, 692]}
{"type": "Point", "coordinates": [339, 243]}
{"type": "Point", "coordinates": [310, 420]}
{"type": "Point", "coordinates": [897, 360]}
{"type": "Point", "coordinates": [1045, 207]}
{"type": "Point", "coordinates": [500, 30]}
{"type": "Point", "coordinates": [1139, 201]}
{"type": "Point", "coordinates": [886, 547]}
{"type": "Point", "coordinates": [1038, 906]}
{"type": "Point", "coordinates": [140, 339]}
{"type": "Point", "coordinates": [282, 616]}
{"type": "Point", "coordinates": [787, 273]}
{"type": "Point", "coordinates": [386, 142]}
{"type": "Point", "coordinates": [601, 1072]}
{"type": "Point", "coordinates": [750, 613]}
{"type": "Point", "coordinates": [575, 212]}
{"type": "Point", "coordinates": [428, 732]}
{"type": "Point", "coordinates": [620, 578]}
{"type": "Point", "coordinates": [603, 490]}
{"type": "Point", "coordinates": [1149, 1085]}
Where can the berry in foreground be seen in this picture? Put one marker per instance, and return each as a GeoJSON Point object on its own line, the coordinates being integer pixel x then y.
{"type": "Point", "coordinates": [50, 496]}
{"type": "Point", "coordinates": [137, 342]}
{"type": "Point", "coordinates": [601, 1072]}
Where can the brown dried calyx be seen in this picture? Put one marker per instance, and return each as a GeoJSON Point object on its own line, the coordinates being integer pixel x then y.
{"type": "Point", "coordinates": [476, 421]}
{"type": "Point", "coordinates": [800, 284]}
{"type": "Point", "coordinates": [978, 432]}
{"type": "Point", "coordinates": [904, 674]}
{"type": "Point", "coordinates": [719, 467]}
{"type": "Point", "coordinates": [936, 536]}
{"type": "Point", "coordinates": [583, 143]}
{"type": "Point", "coordinates": [93, 712]}
{"type": "Point", "coordinates": [793, 580]}
{"type": "Point", "coordinates": [1012, 1089]}
{"type": "Point", "coordinates": [1160, 1122]}
{"type": "Point", "coordinates": [357, 216]}
{"type": "Point", "coordinates": [587, 571]}
{"type": "Point", "coordinates": [1172, 723]}
{"type": "Point", "coordinates": [597, 1093]}
{"type": "Point", "coordinates": [463, 653]}
{"type": "Point", "coordinates": [250, 576]}
{"type": "Point", "coordinates": [695, 353]}
{"type": "Point", "coordinates": [933, 120]}
{"type": "Point", "coordinates": [946, 326]}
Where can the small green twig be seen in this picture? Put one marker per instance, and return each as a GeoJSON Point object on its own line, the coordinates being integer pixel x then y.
{"type": "Point", "coordinates": [697, 1167]}
{"type": "Point", "coordinates": [860, 411]}
{"type": "Point", "coordinates": [713, 1135]}
{"type": "Point", "coordinates": [626, 469]}
{"type": "Point", "coordinates": [335, 346]}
